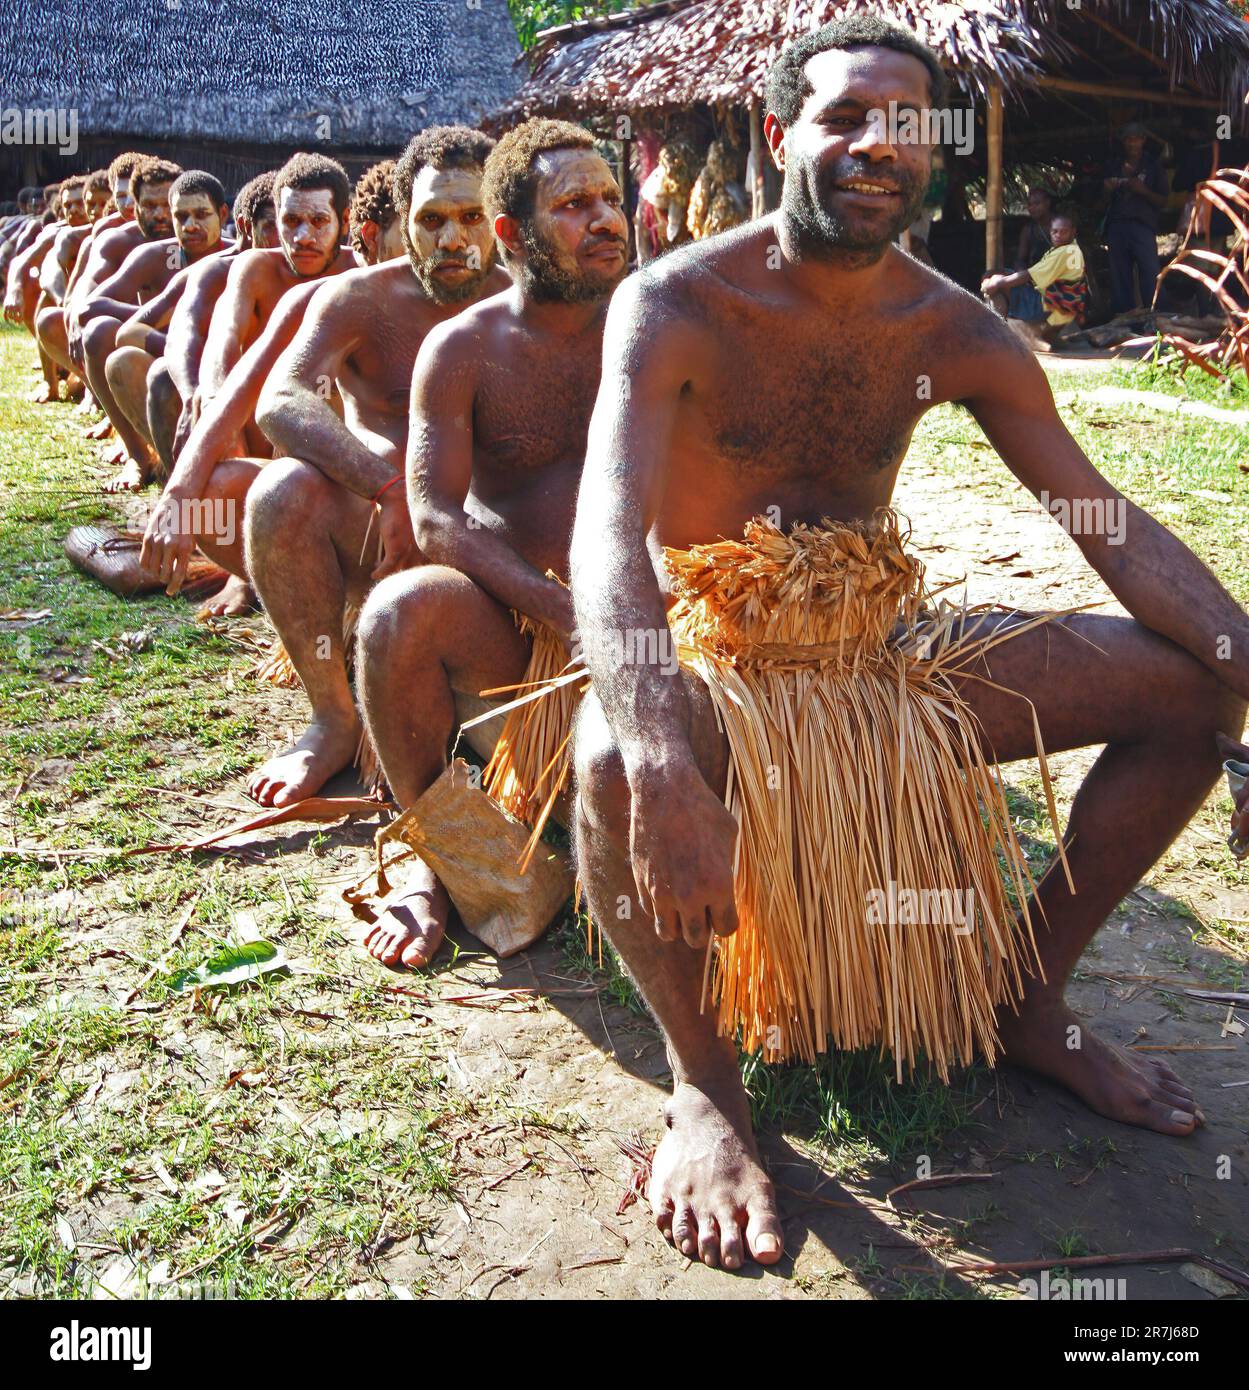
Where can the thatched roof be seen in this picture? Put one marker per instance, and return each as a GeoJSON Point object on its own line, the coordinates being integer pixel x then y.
{"type": "Point", "coordinates": [678, 53]}
{"type": "Point", "coordinates": [261, 71]}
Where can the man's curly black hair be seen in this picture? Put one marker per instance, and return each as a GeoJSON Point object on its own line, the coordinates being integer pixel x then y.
{"type": "Point", "coordinates": [306, 172]}
{"type": "Point", "coordinates": [510, 185]}
{"type": "Point", "coordinates": [251, 199]}
{"type": "Point", "coordinates": [788, 87]}
{"type": "Point", "coordinates": [443, 147]}
{"type": "Point", "coordinates": [372, 200]}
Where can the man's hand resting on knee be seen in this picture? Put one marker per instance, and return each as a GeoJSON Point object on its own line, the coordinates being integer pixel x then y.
{"type": "Point", "coordinates": [682, 843]}
{"type": "Point", "coordinates": [167, 547]}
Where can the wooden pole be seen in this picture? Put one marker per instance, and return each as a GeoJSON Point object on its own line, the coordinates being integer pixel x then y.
{"type": "Point", "coordinates": [993, 184]}
{"type": "Point", "coordinates": [1104, 89]}
{"type": "Point", "coordinates": [758, 155]}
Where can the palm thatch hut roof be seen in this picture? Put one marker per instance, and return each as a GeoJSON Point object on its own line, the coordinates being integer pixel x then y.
{"type": "Point", "coordinates": [259, 76]}
{"type": "Point", "coordinates": [678, 53]}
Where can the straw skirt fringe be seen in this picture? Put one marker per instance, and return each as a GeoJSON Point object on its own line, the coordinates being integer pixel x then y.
{"type": "Point", "coordinates": [532, 761]}
{"type": "Point", "coordinates": [871, 910]}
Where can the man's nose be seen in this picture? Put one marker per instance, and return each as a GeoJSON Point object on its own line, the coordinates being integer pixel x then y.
{"type": "Point", "coordinates": [873, 142]}
{"type": "Point", "coordinates": [606, 217]}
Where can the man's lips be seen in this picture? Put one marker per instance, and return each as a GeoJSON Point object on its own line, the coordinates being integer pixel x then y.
{"type": "Point", "coordinates": [607, 250]}
{"type": "Point", "coordinates": [866, 188]}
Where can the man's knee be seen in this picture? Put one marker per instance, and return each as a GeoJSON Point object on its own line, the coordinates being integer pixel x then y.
{"type": "Point", "coordinates": [100, 337]}
{"type": "Point", "coordinates": [410, 607]}
{"type": "Point", "coordinates": [603, 798]}
{"type": "Point", "coordinates": [122, 366]}
{"type": "Point", "coordinates": [50, 324]}
{"type": "Point", "coordinates": [287, 493]}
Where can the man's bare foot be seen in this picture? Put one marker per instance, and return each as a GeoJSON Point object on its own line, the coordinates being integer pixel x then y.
{"type": "Point", "coordinates": [43, 394]}
{"type": "Point", "coordinates": [709, 1196]}
{"type": "Point", "coordinates": [88, 406]}
{"type": "Point", "coordinates": [326, 748]}
{"type": "Point", "coordinates": [132, 477]}
{"type": "Point", "coordinates": [102, 429]}
{"type": "Point", "coordinates": [414, 923]}
{"type": "Point", "coordinates": [1133, 1088]}
{"type": "Point", "coordinates": [235, 597]}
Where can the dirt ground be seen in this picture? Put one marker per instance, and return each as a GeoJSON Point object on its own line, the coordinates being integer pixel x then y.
{"type": "Point", "coordinates": [536, 1206]}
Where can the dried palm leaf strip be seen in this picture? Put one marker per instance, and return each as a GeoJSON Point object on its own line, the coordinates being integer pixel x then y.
{"type": "Point", "coordinates": [532, 760]}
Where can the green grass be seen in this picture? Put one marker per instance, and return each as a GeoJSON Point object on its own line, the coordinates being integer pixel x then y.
{"type": "Point", "coordinates": [295, 1180]}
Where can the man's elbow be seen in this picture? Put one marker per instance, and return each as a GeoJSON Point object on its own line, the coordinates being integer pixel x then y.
{"type": "Point", "coordinates": [437, 536]}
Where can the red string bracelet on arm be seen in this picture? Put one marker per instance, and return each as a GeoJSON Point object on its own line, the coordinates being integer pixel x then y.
{"type": "Point", "coordinates": [381, 492]}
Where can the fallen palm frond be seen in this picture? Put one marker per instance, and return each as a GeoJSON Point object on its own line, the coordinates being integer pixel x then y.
{"type": "Point", "coordinates": [1224, 275]}
{"type": "Point", "coordinates": [532, 760]}
{"type": "Point", "coordinates": [313, 808]}
{"type": "Point", "coordinates": [863, 797]}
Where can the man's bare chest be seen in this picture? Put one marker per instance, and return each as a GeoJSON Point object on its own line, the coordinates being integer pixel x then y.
{"type": "Point", "coordinates": [827, 403]}
{"type": "Point", "coordinates": [534, 413]}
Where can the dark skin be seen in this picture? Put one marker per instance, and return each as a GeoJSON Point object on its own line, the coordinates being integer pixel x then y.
{"type": "Point", "coordinates": [724, 394]}
{"type": "Point", "coordinates": [145, 274]}
{"type": "Point", "coordinates": [1130, 174]}
{"type": "Point", "coordinates": [205, 472]}
{"type": "Point", "coordinates": [501, 401]}
{"type": "Point", "coordinates": [362, 334]}
{"type": "Point", "coordinates": [142, 341]}
{"type": "Point", "coordinates": [309, 228]}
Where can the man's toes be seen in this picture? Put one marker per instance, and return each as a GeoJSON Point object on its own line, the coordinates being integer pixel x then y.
{"type": "Point", "coordinates": [685, 1233]}
{"type": "Point", "coordinates": [730, 1240]}
{"type": "Point", "coordinates": [1168, 1117]}
{"type": "Point", "coordinates": [422, 948]}
{"type": "Point", "coordinates": [765, 1241]}
{"type": "Point", "coordinates": [709, 1241]}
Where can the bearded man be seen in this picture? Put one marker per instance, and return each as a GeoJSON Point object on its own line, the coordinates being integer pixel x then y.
{"type": "Point", "coordinates": [762, 387]}
{"type": "Point", "coordinates": [500, 405]}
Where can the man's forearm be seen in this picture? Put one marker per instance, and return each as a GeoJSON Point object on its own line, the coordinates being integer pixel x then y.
{"type": "Point", "coordinates": [452, 539]}
{"type": "Point", "coordinates": [100, 307]}
{"type": "Point", "coordinates": [302, 424]}
{"type": "Point", "coordinates": [183, 354]}
{"type": "Point", "coordinates": [621, 625]}
{"type": "Point", "coordinates": [1167, 588]}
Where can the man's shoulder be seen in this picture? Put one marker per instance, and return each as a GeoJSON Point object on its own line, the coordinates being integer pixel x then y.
{"type": "Point", "coordinates": [117, 239]}
{"type": "Point", "coordinates": [704, 268]}
{"type": "Point", "coordinates": [147, 252]}
{"type": "Point", "coordinates": [473, 333]}
{"type": "Point", "coordinates": [261, 262]}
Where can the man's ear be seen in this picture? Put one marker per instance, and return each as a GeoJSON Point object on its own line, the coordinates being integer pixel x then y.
{"type": "Point", "coordinates": [774, 134]}
{"type": "Point", "coordinates": [507, 229]}
{"type": "Point", "coordinates": [370, 234]}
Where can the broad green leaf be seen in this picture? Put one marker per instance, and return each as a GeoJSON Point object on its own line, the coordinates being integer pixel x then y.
{"type": "Point", "coordinates": [234, 965]}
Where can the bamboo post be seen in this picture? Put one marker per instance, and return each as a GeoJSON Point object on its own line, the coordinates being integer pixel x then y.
{"type": "Point", "coordinates": [993, 183]}
{"type": "Point", "coordinates": [758, 156]}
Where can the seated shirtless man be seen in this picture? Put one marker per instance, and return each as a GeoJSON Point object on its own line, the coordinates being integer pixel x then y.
{"type": "Point", "coordinates": [22, 292]}
{"type": "Point", "coordinates": [362, 333]}
{"type": "Point", "coordinates": [112, 240]}
{"type": "Point", "coordinates": [311, 194]}
{"type": "Point", "coordinates": [173, 383]}
{"type": "Point", "coordinates": [61, 262]}
{"type": "Point", "coordinates": [776, 365]}
{"type": "Point", "coordinates": [501, 398]}
{"type": "Point", "coordinates": [141, 339]}
{"type": "Point", "coordinates": [141, 277]}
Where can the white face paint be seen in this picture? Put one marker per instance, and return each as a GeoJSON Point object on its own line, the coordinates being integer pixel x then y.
{"type": "Point", "coordinates": [308, 229]}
